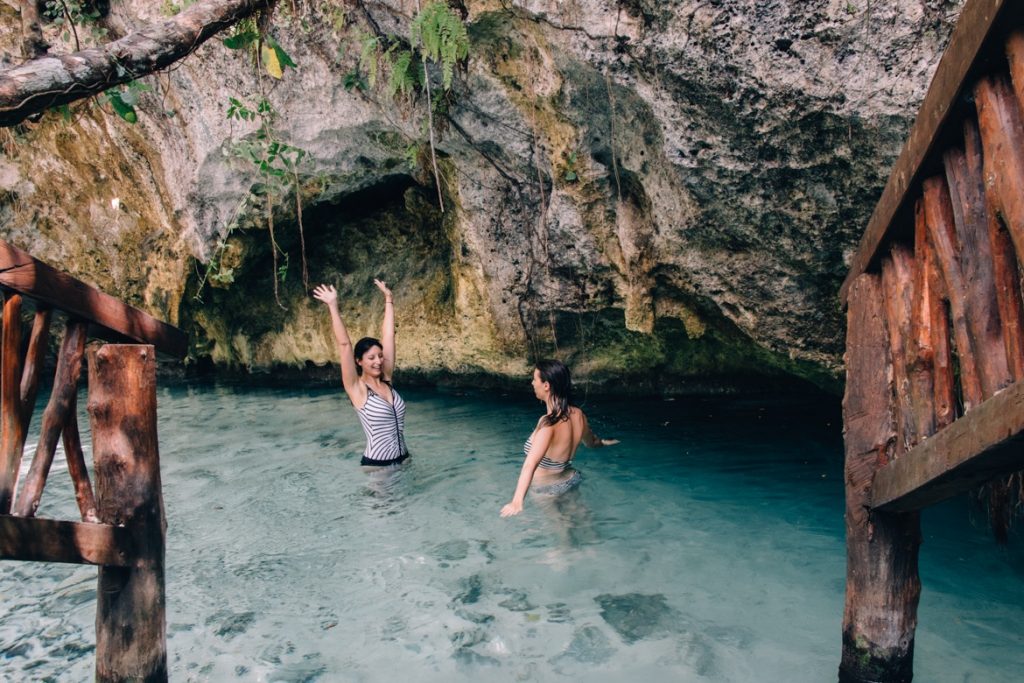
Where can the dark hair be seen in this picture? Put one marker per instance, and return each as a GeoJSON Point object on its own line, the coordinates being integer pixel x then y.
{"type": "Point", "coordinates": [559, 380]}
{"type": "Point", "coordinates": [362, 346]}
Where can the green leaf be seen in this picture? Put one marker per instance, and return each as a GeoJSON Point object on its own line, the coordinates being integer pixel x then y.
{"type": "Point", "coordinates": [122, 108]}
{"type": "Point", "coordinates": [240, 40]}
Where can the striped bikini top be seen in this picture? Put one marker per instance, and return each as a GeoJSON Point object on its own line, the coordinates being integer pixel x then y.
{"type": "Point", "coordinates": [546, 462]}
{"type": "Point", "coordinates": [384, 425]}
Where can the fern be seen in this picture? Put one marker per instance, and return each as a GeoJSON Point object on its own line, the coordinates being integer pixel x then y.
{"type": "Point", "coordinates": [403, 78]}
{"type": "Point", "coordinates": [441, 37]}
{"type": "Point", "coordinates": [368, 58]}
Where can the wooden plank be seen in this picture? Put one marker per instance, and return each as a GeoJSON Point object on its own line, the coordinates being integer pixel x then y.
{"type": "Point", "coordinates": [979, 20]}
{"type": "Point", "coordinates": [931, 324]}
{"type": "Point", "coordinates": [48, 540]}
{"type": "Point", "coordinates": [131, 641]}
{"type": "Point", "coordinates": [897, 290]}
{"type": "Point", "coordinates": [985, 443]}
{"type": "Point", "coordinates": [33, 278]}
{"type": "Point", "coordinates": [938, 211]}
{"type": "Point", "coordinates": [882, 584]}
{"type": "Point", "coordinates": [974, 257]}
{"type": "Point", "coordinates": [12, 426]}
{"type": "Point", "coordinates": [1002, 135]}
{"type": "Point", "coordinates": [1015, 57]}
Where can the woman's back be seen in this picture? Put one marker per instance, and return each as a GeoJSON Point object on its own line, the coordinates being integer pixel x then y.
{"type": "Point", "coordinates": [567, 436]}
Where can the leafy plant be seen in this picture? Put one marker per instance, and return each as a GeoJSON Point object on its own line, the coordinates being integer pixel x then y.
{"type": "Point", "coordinates": [440, 36]}
{"type": "Point", "coordinates": [571, 175]}
{"type": "Point", "coordinates": [70, 14]}
{"type": "Point", "coordinates": [123, 99]}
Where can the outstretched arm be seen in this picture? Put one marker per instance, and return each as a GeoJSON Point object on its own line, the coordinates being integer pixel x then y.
{"type": "Point", "coordinates": [539, 446]}
{"type": "Point", "coordinates": [349, 376]}
{"type": "Point", "coordinates": [590, 439]}
{"type": "Point", "coordinates": [387, 329]}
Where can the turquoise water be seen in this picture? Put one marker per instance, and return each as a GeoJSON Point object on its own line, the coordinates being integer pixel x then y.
{"type": "Point", "coordinates": [707, 546]}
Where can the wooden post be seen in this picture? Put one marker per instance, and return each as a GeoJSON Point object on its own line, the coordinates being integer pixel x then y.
{"type": "Point", "coordinates": [882, 584]}
{"type": "Point", "coordinates": [130, 605]}
{"type": "Point", "coordinates": [12, 426]}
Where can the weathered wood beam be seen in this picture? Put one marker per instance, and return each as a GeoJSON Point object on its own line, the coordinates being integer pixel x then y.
{"type": "Point", "coordinates": [978, 20]}
{"type": "Point", "coordinates": [48, 540]}
{"type": "Point", "coordinates": [34, 358]}
{"type": "Point", "coordinates": [131, 639]}
{"type": "Point", "coordinates": [882, 584]}
{"type": "Point", "coordinates": [981, 445]}
{"type": "Point", "coordinates": [911, 372]}
{"type": "Point", "coordinates": [931, 324]}
{"type": "Point", "coordinates": [76, 466]}
{"type": "Point", "coordinates": [938, 211]}
{"type": "Point", "coordinates": [1015, 57]}
{"type": "Point", "coordinates": [1002, 136]}
{"type": "Point", "coordinates": [974, 258]}
{"type": "Point", "coordinates": [62, 401]}
{"type": "Point", "coordinates": [12, 426]}
{"type": "Point", "coordinates": [33, 278]}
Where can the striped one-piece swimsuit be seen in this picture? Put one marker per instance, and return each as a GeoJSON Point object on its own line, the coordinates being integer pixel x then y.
{"type": "Point", "coordinates": [384, 426]}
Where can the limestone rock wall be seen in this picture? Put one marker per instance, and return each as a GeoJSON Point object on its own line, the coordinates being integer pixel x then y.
{"type": "Point", "coordinates": [665, 192]}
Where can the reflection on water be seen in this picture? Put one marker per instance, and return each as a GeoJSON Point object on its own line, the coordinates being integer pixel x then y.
{"type": "Point", "coordinates": [707, 546]}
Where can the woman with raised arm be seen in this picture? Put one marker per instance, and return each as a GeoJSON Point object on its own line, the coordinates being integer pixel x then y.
{"type": "Point", "coordinates": [553, 443]}
{"type": "Point", "coordinates": [366, 376]}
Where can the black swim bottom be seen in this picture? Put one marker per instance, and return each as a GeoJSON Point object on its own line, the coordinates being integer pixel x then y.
{"type": "Point", "coordinates": [384, 463]}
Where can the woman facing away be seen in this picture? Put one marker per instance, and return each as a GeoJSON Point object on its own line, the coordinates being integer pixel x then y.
{"type": "Point", "coordinates": [366, 376]}
{"type": "Point", "coordinates": [553, 443]}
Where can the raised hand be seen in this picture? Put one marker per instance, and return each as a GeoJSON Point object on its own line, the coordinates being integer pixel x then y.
{"type": "Point", "coordinates": [326, 293]}
{"type": "Point", "coordinates": [388, 296]}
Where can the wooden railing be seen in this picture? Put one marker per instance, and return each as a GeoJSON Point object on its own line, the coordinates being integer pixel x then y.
{"type": "Point", "coordinates": [122, 523]}
{"type": "Point", "coordinates": [934, 401]}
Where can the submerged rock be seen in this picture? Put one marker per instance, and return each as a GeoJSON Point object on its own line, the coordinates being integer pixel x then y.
{"type": "Point", "coordinates": [636, 616]}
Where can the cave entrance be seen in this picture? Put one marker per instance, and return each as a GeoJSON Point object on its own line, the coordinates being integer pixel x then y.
{"type": "Point", "coordinates": [391, 229]}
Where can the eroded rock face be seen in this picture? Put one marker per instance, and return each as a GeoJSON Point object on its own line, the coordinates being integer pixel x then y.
{"type": "Point", "coordinates": [664, 191]}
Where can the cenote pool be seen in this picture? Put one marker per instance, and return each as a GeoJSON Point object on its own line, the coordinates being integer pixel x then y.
{"type": "Point", "coordinates": [707, 546]}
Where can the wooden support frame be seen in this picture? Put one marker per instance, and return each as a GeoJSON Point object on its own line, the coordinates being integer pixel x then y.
{"type": "Point", "coordinates": [124, 528]}
{"type": "Point", "coordinates": [957, 459]}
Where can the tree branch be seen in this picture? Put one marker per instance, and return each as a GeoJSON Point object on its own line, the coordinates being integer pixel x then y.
{"type": "Point", "coordinates": [54, 80]}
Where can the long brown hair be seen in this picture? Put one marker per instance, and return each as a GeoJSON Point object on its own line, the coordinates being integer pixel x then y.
{"type": "Point", "coordinates": [559, 382]}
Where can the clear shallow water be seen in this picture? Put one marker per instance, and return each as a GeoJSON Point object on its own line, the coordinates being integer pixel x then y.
{"type": "Point", "coordinates": [708, 546]}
